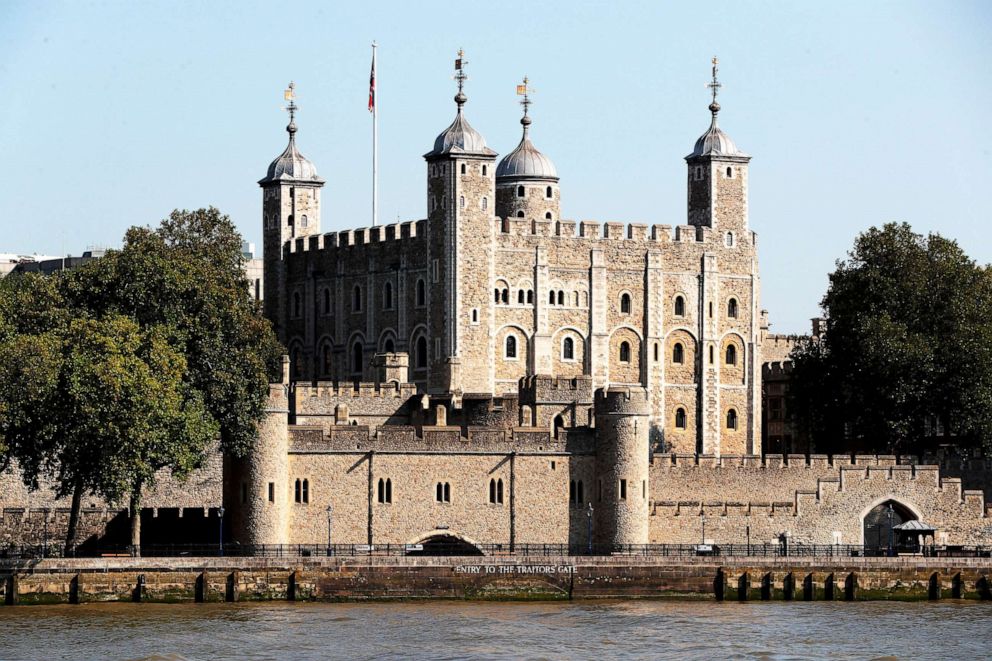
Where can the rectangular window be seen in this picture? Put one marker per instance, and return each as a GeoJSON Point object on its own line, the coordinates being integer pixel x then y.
{"type": "Point", "coordinates": [272, 492]}
{"type": "Point", "coordinates": [644, 489]}
{"type": "Point", "coordinates": [623, 489]}
{"type": "Point", "coordinates": [435, 270]}
{"type": "Point", "coordinates": [244, 492]}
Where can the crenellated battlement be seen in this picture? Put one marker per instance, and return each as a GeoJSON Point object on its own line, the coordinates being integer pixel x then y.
{"type": "Point", "coordinates": [354, 390]}
{"type": "Point", "coordinates": [408, 230]}
{"type": "Point", "coordinates": [594, 231]}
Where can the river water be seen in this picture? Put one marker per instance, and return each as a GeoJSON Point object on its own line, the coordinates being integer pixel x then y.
{"type": "Point", "coordinates": [450, 630]}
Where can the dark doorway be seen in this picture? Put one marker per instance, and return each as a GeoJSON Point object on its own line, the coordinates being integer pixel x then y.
{"type": "Point", "coordinates": [879, 522]}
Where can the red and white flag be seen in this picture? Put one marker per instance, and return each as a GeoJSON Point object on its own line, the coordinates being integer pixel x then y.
{"type": "Point", "coordinates": [372, 86]}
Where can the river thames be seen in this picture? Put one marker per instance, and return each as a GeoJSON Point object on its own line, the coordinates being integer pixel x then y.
{"type": "Point", "coordinates": [451, 630]}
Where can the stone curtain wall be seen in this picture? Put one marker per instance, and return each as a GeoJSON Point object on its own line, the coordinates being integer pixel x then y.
{"type": "Point", "coordinates": [819, 501]}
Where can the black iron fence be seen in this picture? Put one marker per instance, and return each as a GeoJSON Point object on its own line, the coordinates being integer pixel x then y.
{"type": "Point", "coordinates": [791, 550]}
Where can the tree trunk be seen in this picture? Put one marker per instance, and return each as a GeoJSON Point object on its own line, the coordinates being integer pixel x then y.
{"type": "Point", "coordinates": [70, 537]}
{"type": "Point", "coordinates": [136, 522]}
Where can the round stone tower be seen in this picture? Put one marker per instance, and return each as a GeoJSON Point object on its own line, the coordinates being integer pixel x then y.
{"type": "Point", "coordinates": [257, 492]}
{"type": "Point", "coordinates": [526, 179]}
{"type": "Point", "coordinates": [622, 465]}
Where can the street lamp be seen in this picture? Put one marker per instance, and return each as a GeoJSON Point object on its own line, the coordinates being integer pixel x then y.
{"type": "Point", "coordinates": [889, 514]}
{"type": "Point", "coordinates": [589, 519]}
{"type": "Point", "coordinates": [747, 531]}
{"type": "Point", "coordinates": [330, 514]}
{"type": "Point", "coordinates": [220, 523]}
{"type": "Point", "coordinates": [702, 519]}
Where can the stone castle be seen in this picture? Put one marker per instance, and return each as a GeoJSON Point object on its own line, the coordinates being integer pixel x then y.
{"type": "Point", "coordinates": [498, 374]}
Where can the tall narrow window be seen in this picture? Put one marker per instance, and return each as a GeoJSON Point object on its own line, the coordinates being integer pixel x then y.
{"type": "Point", "coordinates": [678, 354]}
{"type": "Point", "coordinates": [303, 220]}
{"type": "Point", "coordinates": [327, 359]}
{"type": "Point", "coordinates": [298, 491]}
{"type": "Point", "coordinates": [461, 202]}
{"type": "Point", "coordinates": [389, 490]}
{"type": "Point", "coordinates": [680, 418]}
{"type": "Point", "coordinates": [357, 296]}
{"type": "Point", "coordinates": [389, 346]}
{"type": "Point", "coordinates": [511, 346]}
{"type": "Point", "coordinates": [520, 296]}
{"type": "Point", "coordinates": [568, 349]}
{"type": "Point", "coordinates": [485, 203]}
{"type": "Point", "coordinates": [505, 296]}
{"type": "Point", "coordinates": [530, 295]}
{"type": "Point", "coordinates": [679, 306]}
{"type": "Point", "coordinates": [421, 352]}
{"type": "Point", "coordinates": [439, 492]}
{"type": "Point", "coordinates": [492, 491]}
{"type": "Point", "coordinates": [357, 360]}
{"type": "Point", "coordinates": [551, 298]}
{"type": "Point", "coordinates": [561, 298]}
{"type": "Point", "coordinates": [387, 296]}
{"type": "Point", "coordinates": [623, 489]}
{"type": "Point", "coordinates": [572, 490]}
{"type": "Point", "coordinates": [575, 298]}
{"type": "Point", "coordinates": [732, 308]}
{"type": "Point", "coordinates": [625, 304]}
{"type": "Point", "coordinates": [327, 300]}
{"type": "Point", "coordinates": [731, 354]}
{"type": "Point", "coordinates": [732, 419]}
{"type": "Point", "coordinates": [463, 168]}
{"type": "Point", "coordinates": [548, 193]}
{"type": "Point", "coordinates": [624, 352]}
{"type": "Point", "coordinates": [499, 490]}
{"type": "Point", "coordinates": [381, 491]}
{"type": "Point", "coordinates": [520, 191]}
{"type": "Point", "coordinates": [306, 491]}
{"type": "Point", "coordinates": [485, 170]}
{"type": "Point", "coordinates": [579, 493]}
{"type": "Point", "coordinates": [711, 354]}
{"type": "Point", "coordinates": [272, 492]}
{"type": "Point", "coordinates": [447, 492]}
{"type": "Point", "coordinates": [656, 352]}
{"type": "Point", "coordinates": [421, 293]}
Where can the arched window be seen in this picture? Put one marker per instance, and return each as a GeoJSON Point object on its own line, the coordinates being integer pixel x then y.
{"type": "Point", "coordinates": [289, 219]}
{"type": "Point", "coordinates": [357, 303]}
{"type": "Point", "coordinates": [485, 203]}
{"type": "Point", "coordinates": [551, 297]}
{"type": "Point", "coordinates": [303, 220]}
{"type": "Point", "coordinates": [384, 490]}
{"type": "Point", "coordinates": [711, 354]}
{"type": "Point", "coordinates": [496, 491]}
{"type": "Point", "coordinates": [511, 346]}
{"type": "Point", "coordinates": [678, 353]}
{"type": "Point", "coordinates": [443, 492]}
{"type": "Point", "coordinates": [496, 295]}
{"type": "Point", "coordinates": [387, 296]}
{"type": "Point", "coordinates": [327, 359]}
{"type": "Point", "coordinates": [530, 295]}
{"type": "Point", "coordinates": [729, 239]}
{"type": "Point", "coordinates": [357, 359]}
{"type": "Point", "coordinates": [732, 308]}
{"type": "Point", "coordinates": [575, 298]}
{"type": "Point", "coordinates": [731, 354]}
{"type": "Point", "coordinates": [680, 418]}
{"type": "Point", "coordinates": [732, 419]}
{"type": "Point", "coordinates": [520, 296]}
{"type": "Point", "coordinates": [492, 491]}
{"type": "Point", "coordinates": [297, 363]}
{"type": "Point", "coordinates": [499, 490]}
{"type": "Point", "coordinates": [520, 191]}
{"type": "Point", "coordinates": [388, 346]}
{"type": "Point", "coordinates": [547, 215]}
{"type": "Point", "coordinates": [561, 297]}
{"type": "Point", "coordinates": [730, 172]}
{"type": "Point", "coordinates": [505, 296]}
{"type": "Point", "coordinates": [679, 306]}
{"type": "Point", "coordinates": [625, 303]}
{"type": "Point", "coordinates": [298, 491]}
{"type": "Point", "coordinates": [568, 349]}
{"type": "Point", "coordinates": [461, 202]}
{"type": "Point", "coordinates": [421, 293]}
{"type": "Point", "coordinates": [559, 424]}
{"type": "Point", "coordinates": [624, 352]}
{"type": "Point", "coordinates": [296, 304]}
{"type": "Point", "coordinates": [421, 357]}
{"type": "Point", "coordinates": [463, 168]}
{"type": "Point", "coordinates": [327, 300]}
{"type": "Point", "coordinates": [547, 192]}
{"type": "Point", "coordinates": [520, 214]}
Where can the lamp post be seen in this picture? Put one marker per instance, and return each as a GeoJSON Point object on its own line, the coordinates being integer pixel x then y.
{"type": "Point", "coordinates": [330, 514]}
{"type": "Point", "coordinates": [747, 531]}
{"type": "Point", "coordinates": [44, 550]}
{"type": "Point", "coordinates": [702, 519]}
{"type": "Point", "coordinates": [589, 519]}
{"type": "Point", "coordinates": [220, 524]}
{"type": "Point", "coordinates": [889, 514]}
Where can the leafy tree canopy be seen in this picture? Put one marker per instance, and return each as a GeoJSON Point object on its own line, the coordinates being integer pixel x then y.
{"type": "Point", "coordinates": [907, 351]}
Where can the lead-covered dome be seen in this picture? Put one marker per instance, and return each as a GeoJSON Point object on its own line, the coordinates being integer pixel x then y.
{"type": "Point", "coordinates": [715, 143]}
{"type": "Point", "coordinates": [526, 162]}
{"type": "Point", "coordinates": [291, 165]}
{"type": "Point", "coordinates": [460, 137]}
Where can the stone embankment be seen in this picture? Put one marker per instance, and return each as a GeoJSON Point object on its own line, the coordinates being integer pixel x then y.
{"type": "Point", "coordinates": [491, 578]}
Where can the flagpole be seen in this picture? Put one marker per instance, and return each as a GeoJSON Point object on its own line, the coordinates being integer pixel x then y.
{"type": "Point", "coordinates": [375, 148]}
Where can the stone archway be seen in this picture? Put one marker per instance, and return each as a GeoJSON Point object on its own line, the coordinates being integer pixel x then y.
{"type": "Point", "coordinates": [445, 543]}
{"type": "Point", "coordinates": [877, 524]}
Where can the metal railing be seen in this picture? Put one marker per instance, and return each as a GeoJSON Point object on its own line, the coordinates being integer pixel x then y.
{"type": "Point", "coordinates": [791, 550]}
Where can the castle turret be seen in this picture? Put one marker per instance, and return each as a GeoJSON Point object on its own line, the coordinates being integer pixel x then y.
{"type": "Point", "coordinates": [526, 179]}
{"type": "Point", "coordinates": [460, 202]}
{"type": "Point", "coordinates": [290, 209]}
{"type": "Point", "coordinates": [622, 465]}
{"type": "Point", "coordinates": [256, 488]}
{"type": "Point", "coordinates": [717, 177]}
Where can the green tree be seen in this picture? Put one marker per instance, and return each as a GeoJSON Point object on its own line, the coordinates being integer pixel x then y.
{"type": "Point", "coordinates": [908, 345]}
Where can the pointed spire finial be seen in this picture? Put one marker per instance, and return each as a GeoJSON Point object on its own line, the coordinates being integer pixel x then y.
{"type": "Point", "coordinates": [460, 77]}
{"type": "Point", "coordinates": [525, 91]}
{"type": "Point", "coordinates": [715, 88]}
{"type": "Point", "coordinates": [290, 95]}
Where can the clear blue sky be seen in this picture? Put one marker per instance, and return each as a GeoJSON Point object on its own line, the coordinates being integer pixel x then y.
{"type": "Point", "coordinates": [855, 113]}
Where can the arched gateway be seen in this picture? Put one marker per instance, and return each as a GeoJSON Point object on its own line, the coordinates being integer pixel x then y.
{"type": "Point", "coordinates": [880, 521]}
{"type": "Point", "coordinates": [444, 542]}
